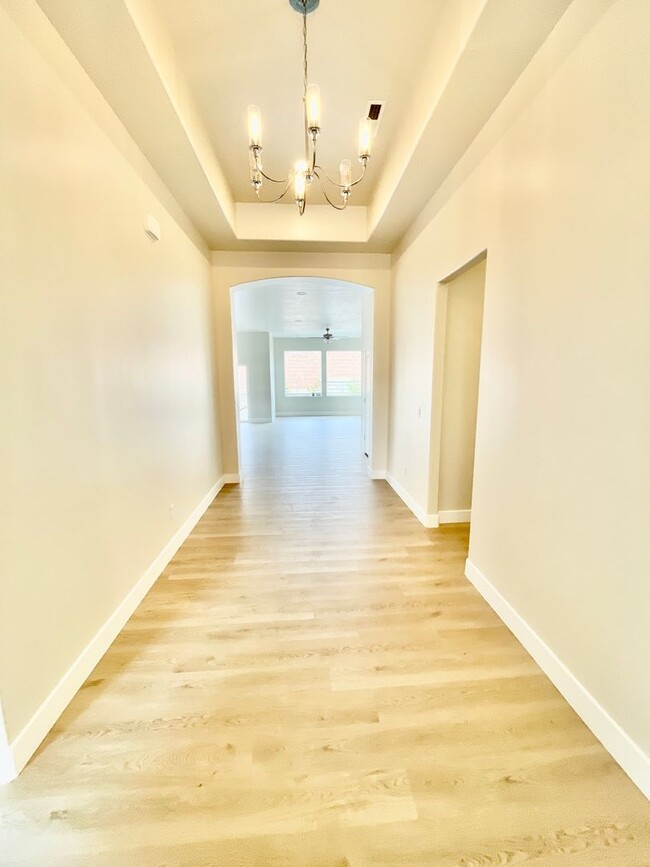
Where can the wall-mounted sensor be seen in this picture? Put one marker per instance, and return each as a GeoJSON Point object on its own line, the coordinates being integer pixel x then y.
{"type": "Point", "coordinates": [152, 227]}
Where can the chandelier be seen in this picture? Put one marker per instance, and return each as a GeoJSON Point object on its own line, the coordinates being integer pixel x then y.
{"type": "Point", "coordinates": [306, 171]}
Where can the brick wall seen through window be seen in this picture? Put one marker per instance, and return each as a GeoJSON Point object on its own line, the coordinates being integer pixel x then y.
{"type": "Point", "coordinates": [343, 373]}
{"type": "Point", "coordinates": [302, 373]}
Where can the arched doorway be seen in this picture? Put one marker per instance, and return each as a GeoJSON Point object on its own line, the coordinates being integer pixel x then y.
{"type": "Point", "coordinates": [283, 367]}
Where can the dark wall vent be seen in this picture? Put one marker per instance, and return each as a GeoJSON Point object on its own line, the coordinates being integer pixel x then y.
{"type": "Point", "coordinates": [374, 110]}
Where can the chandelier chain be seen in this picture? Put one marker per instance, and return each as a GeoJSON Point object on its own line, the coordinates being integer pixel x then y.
{"type": "Point", "coordinates": [305, 74]}
{"type": "Point", "coordinates": [304, 50]}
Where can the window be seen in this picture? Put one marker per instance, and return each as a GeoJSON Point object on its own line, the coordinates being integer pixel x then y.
{"type": "Point", "coordinates": [302, 374]}
{"type": "Point", "coordinates": [343, 373]}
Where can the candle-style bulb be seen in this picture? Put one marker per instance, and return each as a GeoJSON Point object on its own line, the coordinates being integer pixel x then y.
{"type": "Point", "coordinates": [254, 126]}
{"type": "Point", "coordinates": [365, 137]}
{"type": "Point", "coordinates": [312, 106]}
{"type": "Point", "coordinates": [300, 181]}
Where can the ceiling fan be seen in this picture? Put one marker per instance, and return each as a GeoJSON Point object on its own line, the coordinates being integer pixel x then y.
{"type": "Point", "coordinates": [328, 335]}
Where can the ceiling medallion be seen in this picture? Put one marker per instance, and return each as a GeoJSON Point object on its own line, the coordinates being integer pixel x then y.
{"type": "Point", "coordinates": [298, 5]}
{"type": "Point", "coordinates": [307, 171]}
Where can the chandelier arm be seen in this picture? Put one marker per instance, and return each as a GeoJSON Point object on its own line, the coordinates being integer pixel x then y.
{"type": "Point", "coordinates": [313, 157]}
{"type": "Point", "coordinates": [327, 198]}
{"type": "Point", "coordinates": [275, 180]}
{"type": "Point", "coordinates": [362, 175]}
{"type": "Point", "coordinates": [343, 186]}
{"type": "Point", "coordinates": [281, 196]}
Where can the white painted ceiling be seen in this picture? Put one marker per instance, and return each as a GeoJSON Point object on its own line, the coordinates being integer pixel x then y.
{"type": "Point", "coordinates": [180, 74]}
{"type": "Point", "coordinates": [233, 54]}
{"type": "Point", "coordinates": [277, 306]}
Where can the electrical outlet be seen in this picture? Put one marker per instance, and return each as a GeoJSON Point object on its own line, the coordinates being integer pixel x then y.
{"type": "Point", "coordinates": [171, 510]}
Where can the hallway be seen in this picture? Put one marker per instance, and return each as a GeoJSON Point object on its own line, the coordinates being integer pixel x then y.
{"type": "Point", "coordinates": [313, 682]}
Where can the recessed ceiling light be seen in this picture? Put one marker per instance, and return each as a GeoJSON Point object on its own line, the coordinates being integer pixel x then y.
{"type": "Point", "coordinates": [301, 293]}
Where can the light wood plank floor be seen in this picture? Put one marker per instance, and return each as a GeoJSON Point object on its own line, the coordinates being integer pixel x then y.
{"type": "Point", "coordinates": [313, 683]}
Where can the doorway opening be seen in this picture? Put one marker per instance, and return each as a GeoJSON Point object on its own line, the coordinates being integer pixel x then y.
{"type": "Point", "coordinates": [458, 336]}
{"type": "Point", "coordinates": [303, 356]}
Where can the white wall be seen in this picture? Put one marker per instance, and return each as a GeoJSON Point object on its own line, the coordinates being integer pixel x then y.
{"type": "Point", "coordinates": [254, 351]}
{"type": "Point", "coordinates": [460, 334]}
{"type": "Point", "coordinates": [373, 270]}
{"type": "Point", "coordinates": [556, 189]}
{"type": "Point", "coordinates": [107, 375]}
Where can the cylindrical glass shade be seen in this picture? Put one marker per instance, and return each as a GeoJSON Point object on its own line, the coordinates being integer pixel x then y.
{"type": "Point", "coordinates": [313, 106]}
{"type": "Point", "coordinates": [365, 137]}
{"type": "Point", "coordinates": [300, 180]}
{"type": "Point", "coordinates": [254, 126]}
{"type": "Point", "coordinates": [346, 173]}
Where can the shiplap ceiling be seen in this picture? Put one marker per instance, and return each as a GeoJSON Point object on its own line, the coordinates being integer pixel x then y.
{"type": "Point", "coordinates": [280, 307]}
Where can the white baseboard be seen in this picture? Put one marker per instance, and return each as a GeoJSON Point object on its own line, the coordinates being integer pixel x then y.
{"type": "Point", "coordinates": [230, 479]}
{"type": "Point", "coordinates": [616, 741]}
{"type": "Point", "coordinates": [455, 516]}
{"type": "Point", "coordinates": [376, 474]}
{"type": "Point", "coordinates": [256, 420]}
{"type": "Point", "coordinates": [426, 520]}
{"type": "Point", "coordinates": [7, 765]}
{"type": "Point", "coordinates": [15, 755]}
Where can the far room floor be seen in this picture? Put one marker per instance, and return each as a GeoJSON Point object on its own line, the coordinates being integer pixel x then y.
{"type": "Point", "coordinates": [303, 447]}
